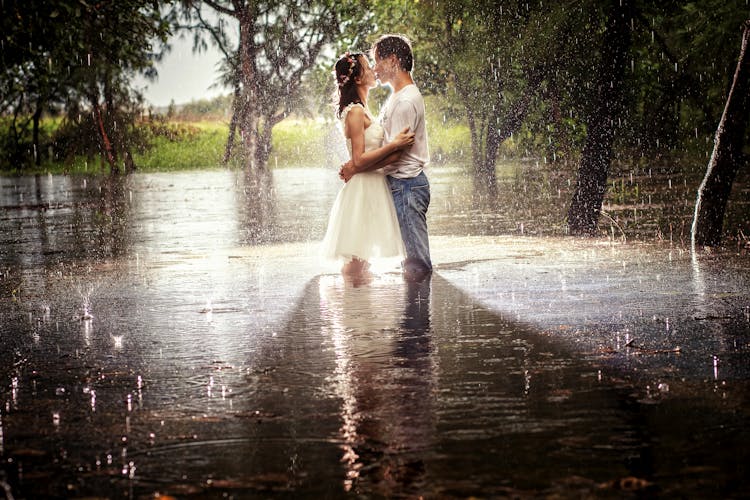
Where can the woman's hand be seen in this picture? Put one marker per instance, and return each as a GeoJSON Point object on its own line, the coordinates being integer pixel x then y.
{"type": "Point", "coordinates": [346, 171]}
{"type": "Point", "coordinates": [404, 139]}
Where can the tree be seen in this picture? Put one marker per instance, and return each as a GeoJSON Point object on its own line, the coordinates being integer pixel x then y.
{"type": "Point", "coordinates": [276, 44]}
{"type": "Point", "coordinates": [28, 80]}
{"type": "Point", "coordinates": [727, 156]}
{"type": "Point", "coordinates": [497, 56]}
{"type": "Point", "coordinates": [680, 63]}
{"type": "Point", "coordinates": [116, 38]}
{"type": "Point", "coordinates": [607, 106]}
{"type": "Point", "coordinates": [79, 56]}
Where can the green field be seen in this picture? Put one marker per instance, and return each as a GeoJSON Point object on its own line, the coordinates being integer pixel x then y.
{"type": "Point", "coordinates": [295, 143]}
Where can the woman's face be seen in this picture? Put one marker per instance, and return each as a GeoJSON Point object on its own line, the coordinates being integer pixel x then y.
{"type": "Point", "coordinates": [367, 79]}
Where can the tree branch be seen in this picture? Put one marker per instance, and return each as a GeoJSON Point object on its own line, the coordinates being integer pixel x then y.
{"type": "Point", "coordinates": [220, 8]}
{"type": "Point", "coordinates": [219, 40]}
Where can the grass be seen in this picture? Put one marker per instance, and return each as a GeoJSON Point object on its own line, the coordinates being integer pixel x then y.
{"type": "Point", "coordinates": [299, 143]}
{"type": "Point", "coordinates": [296, 142]}
{"type": "Point", "coordinates": [202, 148]}
{"type": "Point", "coordinates": [449, 142]}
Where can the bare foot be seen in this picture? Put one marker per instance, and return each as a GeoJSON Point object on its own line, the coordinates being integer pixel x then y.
{"type": "Point", "coordinates": [355, 266]}
{"type": "Point", "coordinates": [357, 272]}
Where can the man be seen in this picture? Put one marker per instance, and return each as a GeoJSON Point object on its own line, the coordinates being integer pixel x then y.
{"type": "Point", "coordinates": [409, 185]}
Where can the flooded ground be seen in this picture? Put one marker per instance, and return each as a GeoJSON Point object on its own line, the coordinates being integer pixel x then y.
{"type": "Point", "coordinates": [175, 334]}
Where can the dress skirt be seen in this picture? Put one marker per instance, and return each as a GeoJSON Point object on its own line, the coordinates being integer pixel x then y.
{"type": "Point", "coordinates": [363, 222]}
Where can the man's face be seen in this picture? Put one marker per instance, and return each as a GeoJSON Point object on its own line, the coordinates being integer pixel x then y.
{"type": "Point", "coordinates": [385, 68]}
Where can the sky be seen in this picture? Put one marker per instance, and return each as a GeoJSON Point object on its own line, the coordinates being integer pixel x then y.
{"type": "Point", "coordinates": [183, 76]}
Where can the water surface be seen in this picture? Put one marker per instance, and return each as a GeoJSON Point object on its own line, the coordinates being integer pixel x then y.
{"type": "Point", "coordinates": [176, 334]}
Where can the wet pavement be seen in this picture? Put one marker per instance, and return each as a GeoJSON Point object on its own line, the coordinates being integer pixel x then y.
{"type": "Point", "coordinates": [174, 334]}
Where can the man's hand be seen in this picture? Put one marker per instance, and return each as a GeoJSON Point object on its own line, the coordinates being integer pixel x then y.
{"type": "Point", "coordinates": [346, 171]}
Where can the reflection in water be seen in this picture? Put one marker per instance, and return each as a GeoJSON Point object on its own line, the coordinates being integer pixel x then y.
{"type": "Point", "coordinates": [713, 298]}
{"type": "Point", "coordinates": [385, 375]}
{"type": "Point", "coordinates": [51, 219]}
{"type": "Point", "coordinates": [258, 207]}
{"type": "Point", "coordinates": [699, 285]}
{"type": "Point", "coordinates": [198, 375]}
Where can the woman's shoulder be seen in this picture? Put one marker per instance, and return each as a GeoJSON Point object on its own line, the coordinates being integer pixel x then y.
{"type": "Point", "coordinates": [349, 107]}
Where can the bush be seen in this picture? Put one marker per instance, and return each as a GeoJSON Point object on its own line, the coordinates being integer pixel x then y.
{"type": "Point", "coordinates": [158, 126]}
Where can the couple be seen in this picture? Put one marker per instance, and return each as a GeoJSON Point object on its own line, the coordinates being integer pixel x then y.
{"type": "Point", "coordinates": [381, 210]}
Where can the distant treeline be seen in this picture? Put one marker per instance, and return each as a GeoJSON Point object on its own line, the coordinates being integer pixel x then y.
{"type": "Point", "coordinates": [217, 108]}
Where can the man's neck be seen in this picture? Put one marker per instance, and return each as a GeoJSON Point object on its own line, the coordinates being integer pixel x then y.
{"type": "Point", "coordinates": [401, 80]}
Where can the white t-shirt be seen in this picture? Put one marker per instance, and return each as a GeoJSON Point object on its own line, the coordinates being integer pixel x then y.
{"type": "Point", "coordinates": [405, 108]}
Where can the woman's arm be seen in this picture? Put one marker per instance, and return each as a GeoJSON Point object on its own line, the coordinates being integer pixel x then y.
{"type": "Point", "coordinates": [395, 156]}
{"type": "Point", "coordinates": [346, 171]}
{"type": "Point", "coordinates": [363, 161]}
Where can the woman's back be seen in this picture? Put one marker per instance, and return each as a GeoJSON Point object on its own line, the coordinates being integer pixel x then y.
{"type": "Point", "coordinates": [373, 134]}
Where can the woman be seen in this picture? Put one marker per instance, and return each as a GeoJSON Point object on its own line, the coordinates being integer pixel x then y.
{"type": "Point", "coordinates": [359, 228]}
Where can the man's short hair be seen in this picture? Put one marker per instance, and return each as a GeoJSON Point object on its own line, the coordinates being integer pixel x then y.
{"type": "Point", "coordinates": [397, 45]}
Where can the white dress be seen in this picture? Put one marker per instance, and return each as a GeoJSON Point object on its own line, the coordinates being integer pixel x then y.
{"type": "Point", "coordinates": [363, 222]}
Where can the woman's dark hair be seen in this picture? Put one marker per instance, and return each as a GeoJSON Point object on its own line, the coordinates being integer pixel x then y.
{"type": "Point", "coordinates": [347, 69]}
{"type": "Point", "coordinates": [397, 45]}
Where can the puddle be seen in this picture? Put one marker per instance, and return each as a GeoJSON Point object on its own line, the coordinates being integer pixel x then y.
{"type": "Point", "coordinates": [172, 334]}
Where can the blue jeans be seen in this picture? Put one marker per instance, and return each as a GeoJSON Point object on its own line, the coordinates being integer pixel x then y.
{"type": "Point", "coordinates": [412, 198]}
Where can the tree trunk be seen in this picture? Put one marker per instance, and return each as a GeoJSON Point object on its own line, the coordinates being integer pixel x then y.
{"type": "Point", "coordinates": [110, 153]}
{"type": "Point", "coordinates": [233, 121]}
{"type": "Point", "coordinates": [35, 134]}
{"type": "Point", "coordinates": [263, 152]}
{"type": "Point", "coordinates": [476, 148]}
{"type": "Point", "coordinates": [727, 157]}
{"type": "Point", "coordinates": [263, 149]}
{"type": "Point", "coordinates": [485, 170]}
{"type": "Point", "coordinates": [476, 151]}
{"type": "Point", "coordinates": [249, 135]}
{"type": "Point", "coordinates": [130, 165]}
{"type": "Point", "coordinates": [483, 179]}
{"type": "Point", "coordinates": [265, 78]}
{"type": "Point", "coordinates": [514, 117]}
{"type": "Point", "coordinates": [249, 106]}
{"type": "Point", "coordinates": [583, 214]}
